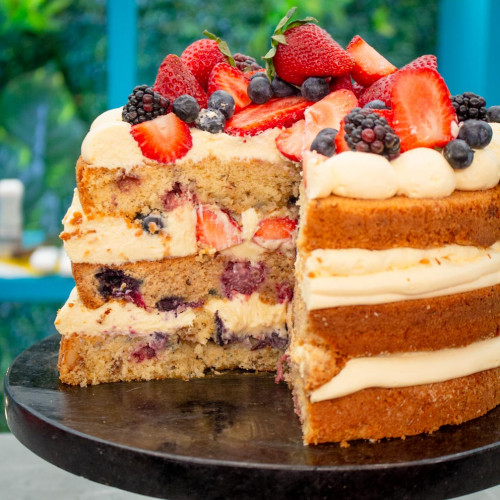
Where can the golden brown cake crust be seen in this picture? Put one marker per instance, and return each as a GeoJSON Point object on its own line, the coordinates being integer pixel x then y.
{"type": "Point", "coordinates": [236, 185]}
{"type": "Point", "coordinates": [463, 218]}
{"type": "Point", "coordinates": [376, 413]}
{"type": "Point", "coordinates": [411, 325]}
{"type": "Point", "coordinates": [193, 278]}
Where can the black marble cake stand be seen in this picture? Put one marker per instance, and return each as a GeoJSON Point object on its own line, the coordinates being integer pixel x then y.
{"type": "Point", "coordinates": [230, 436]}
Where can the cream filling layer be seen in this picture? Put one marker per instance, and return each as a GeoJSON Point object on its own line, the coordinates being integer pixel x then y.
{"type": "Point", "coordinates": [109, 144]}
{"type": "Point", "coordinates": [332, 278]}
{"type": "Point", "coordinates": [242, 316]}
{"type": "Point", "coordinates": [113, 240]}
{"type": "Point", "coordinates": [410, 369]}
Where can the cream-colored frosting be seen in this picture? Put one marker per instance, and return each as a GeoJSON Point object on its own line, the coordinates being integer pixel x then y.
{"type": "Point", "coordinates": [344, 277]}
{"type": "Point", "coordinates": [409, 369]}
{"type": "Point", "coordinates": [248, 315]}
{"type": "Point", "coordinates": [350, 174]}
{"type": "Point", "coordinates": [494, 145]}
{"type": "Point", "coordinates": [242, 316]}
{"type": "Point", "coordinates": [117, 317]}
{"type": "Point", "coordinates": [483, 173]}
{"type": "Point", "coordinates": [424, 173]}
{"type": "Point", "coordinates": [109, 144]}
{"type": "Point", "coordinates": [113, 240]}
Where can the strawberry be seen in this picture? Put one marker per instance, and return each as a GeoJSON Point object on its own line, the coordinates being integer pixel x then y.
{"type": "Point", "coordinates": [370, 65]}
{"type": "Point", "coordinates": [382, 88]}
{"type": "Point", "coordinates": [279, 112]}
{"type": "Point", "coordinates": [340, 142]}
{"type": "Point", "coordinates": [301, 49]}
{"type": "Point", "coordinates": [164, 139]}
{"type": "Point", "coordinates": [341, 82]}
{"type": "Point", "coordinates": [328, 113]}
{"type": "Point", "coordinates": [174, 79]}
{"type": "Point", "coordinates": [216, 229]}
{"type": "Point", "coordinates": [232, 80]}
{"type": "Point", "coordinates": [423, 113]}
{"type": "Point", "coordinates": [200, 57]}
{"type": "Point", "coordinates": [275, 228]}
{"type": "Point", "coordinates": [358, 89]}
{"type": "Point", "coordinates": [289, 142]}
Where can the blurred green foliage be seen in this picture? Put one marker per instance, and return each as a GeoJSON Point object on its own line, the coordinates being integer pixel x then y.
{"type": "Point", "coordinates": [53, 83]}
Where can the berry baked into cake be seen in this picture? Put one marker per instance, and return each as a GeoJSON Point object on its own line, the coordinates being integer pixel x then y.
{"type": "Point", "coordinates": [332, 217]}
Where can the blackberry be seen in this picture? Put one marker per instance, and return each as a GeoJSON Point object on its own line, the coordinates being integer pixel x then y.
{"type": "Point", "coordinates": [144, 104]}
{"type": "Point", "coordinates": [246, 63]}
{"type": "Point", "coordinates": [469, 105]}
{"type": "Point", "coordinates": [369, 132]}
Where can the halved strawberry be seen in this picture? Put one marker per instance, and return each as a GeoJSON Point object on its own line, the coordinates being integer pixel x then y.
{"type": "Point", "coordinates": [289, 142]}
{"type": "Point", "coordinates": [232, 80]}
{"type": "Point", "coordinates": [174, 79]}
{"type": "Point", "coordinates": [341, 82]}
{"type": "Point", "coordinates": [370, 65]}
{"type": "Point", "coordinates": [216, 229]}
{"type": "Point", "coordinates": [340, 142]}
{"type": "Point", "coordinates": [423, 113]}
{"type": "Point", "coordinates": [274, 231]}
{"type": "Point", "coordinates": [164, 139]}
{"type": "Point", "coordinates": [328, 113]}
{"type": "Point", "coordinates": [382, 88]}
{"type": "Point", "coordinates": [280, 112]}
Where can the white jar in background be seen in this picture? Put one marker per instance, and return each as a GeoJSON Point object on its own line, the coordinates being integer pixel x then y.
{"type": "Point", "coordinates": [11, 216]}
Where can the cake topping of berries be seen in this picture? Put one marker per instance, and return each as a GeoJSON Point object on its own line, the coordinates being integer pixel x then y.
{"type": "Point", "coordinates": [324, 143]}
{"type": "Point", "coordinates": [422, 110]}
{"type": "Point", "coordinates": [469, 106]}
{"type": "Point", "coordinates": [300, 49]}
{"type": "Point", "coordinates": [201, 56]}
{"type": "Point", "coordinates": [256, 118]}
{"type": "Point", "coordinates": [493, 114]}
{"type": "Point", "coordinates": [175, 79]}
{"type": "Point", "coordinates": [476, 133]}
{"type": "Point", "coordinates": [211, 120]}
{"type": "Point", "coordinates": [368, 132]}
{"type": "Point", "coordinates": [186, 108]}
{"type": "Point", "coordinates": [144, 104]}
{"type": "Point", "coordinates": [458, 154]}
{"type": "Point", "coordinates": [370, 65]}
{"type": "Point", "coordinates": [314, 89]}
{"type": "Point", "coordinates": [246, 63]}
{"type": "Point", "coordinates": [233, 81]}
{"type": "Point", "coordinates": [164, 139]}
{"type": "Point", "coordinates": [259, 90]}
{"type": "Point", "coordinates": [223, 101]}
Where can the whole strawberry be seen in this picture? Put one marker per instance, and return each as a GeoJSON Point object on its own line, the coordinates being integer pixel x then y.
{"type": "Point", "coordinates": [301, 49]}
{"type": "Point", "coordinates": [201, 56]}
{"type": "Point", "coordinates": [175, 79]}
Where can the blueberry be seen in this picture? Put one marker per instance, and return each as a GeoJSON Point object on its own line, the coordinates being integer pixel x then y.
{"type": "Point", "coordinates": [458, 154]}
{"type": "Point", "coordinates": [476, 133]}
{"type": "Point", "coordinates": [314, 89]}
{"type": "Point", "coordinates": [152, 223]}
{"type": "Point", "coordinates": [324, 142]}
{"type": "Point", "coordinates": [211, 120]}
{"type": "Point", "coordinates": [376, 104]}
{"type": "Point", "coordinates": [170, 303]}
{"type": "Point", "coordinates": [282, 88]}
{"type": "Point", "coordinates": [493, 114]}
{"type": "Point", "coordinates": [259, 90]}
{"type": "Point", "coordinates": [259, 74]}
{"type": "Point", "coordinates": [115, 283]}
{"type": "Point", "coordinates": [186, 108]}
{"type": "Point", "coordinates": [223, 101]}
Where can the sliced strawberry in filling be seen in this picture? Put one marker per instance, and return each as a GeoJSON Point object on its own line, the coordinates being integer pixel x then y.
{"type": "Point", "coordinates": [216, 229]}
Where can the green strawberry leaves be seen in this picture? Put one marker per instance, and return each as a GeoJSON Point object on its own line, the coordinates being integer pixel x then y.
{"type": "Point", "coordinates": [279, 37]}
{"type": "Point", "coordinates": [223, 46]}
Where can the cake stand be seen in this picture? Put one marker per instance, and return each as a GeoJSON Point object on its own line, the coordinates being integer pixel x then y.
{"type": "Point", "coordinates": [228, 436]}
